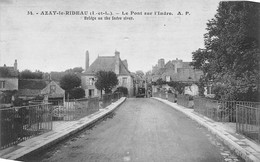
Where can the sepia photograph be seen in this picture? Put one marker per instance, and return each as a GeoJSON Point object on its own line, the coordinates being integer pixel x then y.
{"type": "Point", "coordinates": [129, 81]}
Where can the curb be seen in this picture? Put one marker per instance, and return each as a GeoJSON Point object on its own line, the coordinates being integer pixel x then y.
{"type": "Point", "coordinates": [222, 135]}
{"type": "Point", "coordinates": [94, 118]}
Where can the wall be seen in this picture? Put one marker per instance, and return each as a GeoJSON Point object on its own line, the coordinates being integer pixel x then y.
{"type": "Point", "coordinates": [129, 84]}
{"type": "Point", "coordinates": [185, 73]}
{"type": "Point", "coordinates": [10, 83]}
{"type": "Point", "coordinates": [177, 64]}
{"type": "Point", "coordinates": [85, 84]}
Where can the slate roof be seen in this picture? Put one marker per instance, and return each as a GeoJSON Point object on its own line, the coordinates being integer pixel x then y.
{"type": "Point", "coordinates": [187, 75]}
{"type": "Point", "coordinates": [106, 63]}
{"type": "Point", "coordinates": [169, 65]}
{"type": "Point", "coordinates": [8, 72]}
{"type": "Point", "coordinates": [186, 65]}
{"type": "Point", "coordinates": [184, 74]}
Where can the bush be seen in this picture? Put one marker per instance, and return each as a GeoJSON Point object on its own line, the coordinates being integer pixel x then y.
{"type": "Point", "coordinates": [76, 93]}
{"type": "Point", "coordinates": [123, 90]}
{"type": "Point", "coordinates": [6, 96]}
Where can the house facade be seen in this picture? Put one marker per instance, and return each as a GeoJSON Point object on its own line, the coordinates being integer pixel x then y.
{"type": "Point", "coordinates": [8, 84]}
{"type": "Point", "coordinates": [9, 77]}
{"type": "Point", "coordinates": [178, 71]}
{"type": "Point", "coordinates": [106, 63]}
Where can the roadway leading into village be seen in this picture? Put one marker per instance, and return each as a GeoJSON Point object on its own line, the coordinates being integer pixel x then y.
{"type": "Point", "coordinates": [140, 130]}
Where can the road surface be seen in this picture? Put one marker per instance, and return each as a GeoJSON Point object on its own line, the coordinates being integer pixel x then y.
{"type": "Point", "coordinates": [141, 129]}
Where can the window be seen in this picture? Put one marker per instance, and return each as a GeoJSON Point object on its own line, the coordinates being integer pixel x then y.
{"type": "Point", "coordinates": [52, 89]}
{"type": "Point", "coordinates": [124, 82]}
{"type": "Point", "coordinates": [208, 89]}
{"type": "Point", "coordinates": [2, 84]}
{"type": "Point", "coordinates": [91, 92]}
{"type": "Point", "coordinates": [91, 81]}
{"type": "Point", "coordinates": [168, 78]}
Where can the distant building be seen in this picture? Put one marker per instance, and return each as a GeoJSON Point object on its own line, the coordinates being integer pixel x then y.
{"type": "Point", "coordinates": [106, 63]}
{"type": "Point", "coordinates": [9, 77]}
{"type": "Point", "coordinates": [8, 84]}
{"type": "Point", "coordinates": [179, 71]}
{"type": "Point", "coordinates": [31, 88]}
{"type": "Point", "coordinates": [175, 70]}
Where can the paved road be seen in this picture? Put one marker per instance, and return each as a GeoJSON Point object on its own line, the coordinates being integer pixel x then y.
{"type": "Point", "coordinates": [141, 130]}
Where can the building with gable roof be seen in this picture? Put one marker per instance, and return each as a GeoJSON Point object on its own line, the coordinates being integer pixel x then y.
{"type": "Point", "coordinates": [9, 77]}
{"type": "Point", "coordinates": [178, 71]}
{"type": "Point", "coordinates": [31, 88]}
{"type": "Point", "coordinates": [106, 63]}
{"type": "Point", "coordinates": [175, 70]}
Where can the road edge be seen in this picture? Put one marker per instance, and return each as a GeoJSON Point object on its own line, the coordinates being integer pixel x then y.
{"type": "Point", "coordinates": [222, 135]}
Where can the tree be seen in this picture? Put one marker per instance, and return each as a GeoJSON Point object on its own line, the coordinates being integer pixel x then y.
{"type": "Point", "coordinates": [6, 96]}
{"type": "Point", "coordinates": [75, 70]}
{"type": "Point", "coordinates": [106, 80]}
{"type": "Point", "coordinates": [70, 81]}
{"type": "Point", "coordinates": [231, 57]}
{"type": "Point", "coordinates": [178, 86]}
{"type": "Point", "coordinates": [159, 82]}
{"type": "Point", "coordinates": [148, 76]}
{"type": "Point", "coordinates": [77, 93]}
{"type": "Point", "coordinates": [139, 73]}
{"type": "Point", "coordinates": [78, 69]}
{"type": "Point", "coordinates": [123, 90]}
{"type": "Point", "coordinates": [28, 74]}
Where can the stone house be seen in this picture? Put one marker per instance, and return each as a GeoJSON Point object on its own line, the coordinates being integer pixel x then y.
{"type": "Point", "coordinates": [8, 84]}
{"type": "Point", "coordinates": [106, 63]}
{"type": "Point", "coordinates": [31, 88]}
{"type": "Point", "coordinates": [179, 71]}
{"type": "Point", "coordinates": [9, 77]}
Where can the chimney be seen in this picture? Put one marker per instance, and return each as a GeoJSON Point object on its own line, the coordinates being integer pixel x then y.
{"type": "Point", "coordinates": [117, 63]}
{"type": "Point", "coordinates": [87, 61]}
{"type": "Point", "coordinates": [161, 63]}
{"type": "Point", "coordinates": [125, 63]}
{"type": "Point", "coordinates": [15, 65]}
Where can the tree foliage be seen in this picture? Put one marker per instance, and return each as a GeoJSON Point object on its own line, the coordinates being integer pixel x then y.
{"type": "Point", "coordinates": [231, 56]}
{"type": "Point", "coordinates": [70, 81]}
{"type": "Point", "coordinates": [139, 73]}
{"type": "Point", "coordinates": [28, 74]}
{"type": "Point", "coordinates": [123, 90]}
{"type": "Point", "coordinates": [6, 96]}
{"type": "Point", "coordinates": [76, 93]}
{"type": "Point", "coordinates": [75, 70]}
{"type": "Point", "coordinates": [106, 80]}
{"type": "Point", "coordinates": [56, 76]}
{"type": "Point", "coordinates": [178, 86]}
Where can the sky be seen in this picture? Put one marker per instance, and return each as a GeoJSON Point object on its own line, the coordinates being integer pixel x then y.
{"type": "Point", "coordinates": [59, 42]}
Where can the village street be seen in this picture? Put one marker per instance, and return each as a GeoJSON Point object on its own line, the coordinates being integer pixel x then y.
{"type": "Point", "coordinates": [140, 130]}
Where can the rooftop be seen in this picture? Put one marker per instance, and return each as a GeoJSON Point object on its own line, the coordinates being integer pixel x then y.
{"type": "Point", "coordinates": [8, 72]}
{"type": "Point", "coordinates": [106, 63]}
